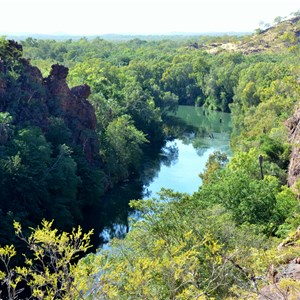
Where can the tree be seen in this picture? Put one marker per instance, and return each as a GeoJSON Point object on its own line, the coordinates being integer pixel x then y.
{"type": "Point", "coordinates": [178, 250]}
{"type": "Point", "coordinates": [27, 158]}
{"type": "Point", "coordinates": [239, 188]}
{"type": "Point", "coordinates": [49, 273]}
{"type": "Point", "coordinates": [178, 79]}
{"type": "Point", "coordinates": [6, 127]}
{"type": "Point", "coordinates": [63, 183]}
{"type": "Point", "coordinates": [215, 163]}
{"type": "Point", "coordinates": [122, 151]}
{"type": "Point", "coordinates": [296, 13]}
{"type": "Point", "coordinates": [277, 20]}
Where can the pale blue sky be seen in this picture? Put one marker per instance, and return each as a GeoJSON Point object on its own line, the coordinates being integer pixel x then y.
{"type": "Point", "coordinates": [92, 17]}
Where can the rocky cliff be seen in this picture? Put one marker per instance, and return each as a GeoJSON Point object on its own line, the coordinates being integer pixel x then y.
{"type": "Point", "coordinates": [73, 106]}
{"type": "Point", "coordinates": [33, 100]}
{"type": "Point", "coordinates": [284, 276]}
{"type": "Point", "coordinates": [284, 279]}
{"type": "Point", "coordinates": [293, 125]}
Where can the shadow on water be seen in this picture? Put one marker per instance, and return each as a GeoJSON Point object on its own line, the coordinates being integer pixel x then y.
{"type": "Point", "coordinates": [193, 133]}
{"type": "Point", "coordinates": [110, 215]}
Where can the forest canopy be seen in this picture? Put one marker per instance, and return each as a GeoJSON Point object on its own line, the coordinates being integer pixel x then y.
{"type": "Point", "coordinates": [76, 118]}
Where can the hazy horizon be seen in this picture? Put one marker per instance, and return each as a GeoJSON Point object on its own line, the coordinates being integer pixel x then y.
{"type": "Point", "coordinates": [138, 17]}
{"type": "Point", "coordinates": [61, 34]}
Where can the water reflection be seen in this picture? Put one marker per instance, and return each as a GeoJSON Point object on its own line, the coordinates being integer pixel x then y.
{"type": "Point", "coordinates": [110, 215]}
{"type": "Point", "coordinates": [194, 134]}
{"type": "Point", "coordinates": [169, 155]}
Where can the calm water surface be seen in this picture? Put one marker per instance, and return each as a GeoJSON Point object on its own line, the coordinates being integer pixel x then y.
{"type": "Point", "coordinates": [202, 133]}
{"type": "Point", "coordinates": [194, 135]}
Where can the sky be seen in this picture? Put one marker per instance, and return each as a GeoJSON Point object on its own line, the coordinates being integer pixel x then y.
{"type": "Point", "coordinates": [97, 17]}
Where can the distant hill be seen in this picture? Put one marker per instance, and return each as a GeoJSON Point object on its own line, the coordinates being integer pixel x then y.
{"type": "Point", "coordinates": [283, 35]}
{"type": "Point", "coordinates": [122, 37]}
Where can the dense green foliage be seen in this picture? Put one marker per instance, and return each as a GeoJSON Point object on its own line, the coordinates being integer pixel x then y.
{"type": "Point", "coordinates": [49, 272]}
{"type": "Point", "coordinates": [183, 248]}
{"type": "Point", "coordinates": [214, 244]}
{"type": "Point", "coordinates": [43, 173]}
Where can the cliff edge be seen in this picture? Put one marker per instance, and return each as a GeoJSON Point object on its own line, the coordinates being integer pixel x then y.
{"type": "Point", "coordinates": [33, 100]}
{"type": "Point", "coordinates": [293, 125]}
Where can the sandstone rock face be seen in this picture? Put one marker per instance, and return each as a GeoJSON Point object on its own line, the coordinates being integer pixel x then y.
{"type": "Point", "coordinates": [293, 125]}
{"type": "Point", "coordinates": [285, 276]}
{"type": "Point", "coordinates": [32, 99]}
{"type": "Point", "coordinates": [81, 91]}
{"type": "Point", "coordinates": [33, 73]}
{"type": "Point", "coordinates": [58, 72]}
{"type": "Point", "coordinates": [277, 291]}
{"type": "Point", "coordinates": [278, 288]}
{"type": "Point", "coordinates": [75, 109]}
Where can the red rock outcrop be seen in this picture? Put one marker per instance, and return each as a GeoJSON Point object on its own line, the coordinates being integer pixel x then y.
{"type": "Point", "coordinates": [32, 99]}
{"type": "Point", "coordinates": [293, 124]}
{"type": "Point", "coordinates": [75, 109]}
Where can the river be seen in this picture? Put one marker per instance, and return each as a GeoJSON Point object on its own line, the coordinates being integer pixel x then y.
{"type": "Point", "coordinates": [194, 134]}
